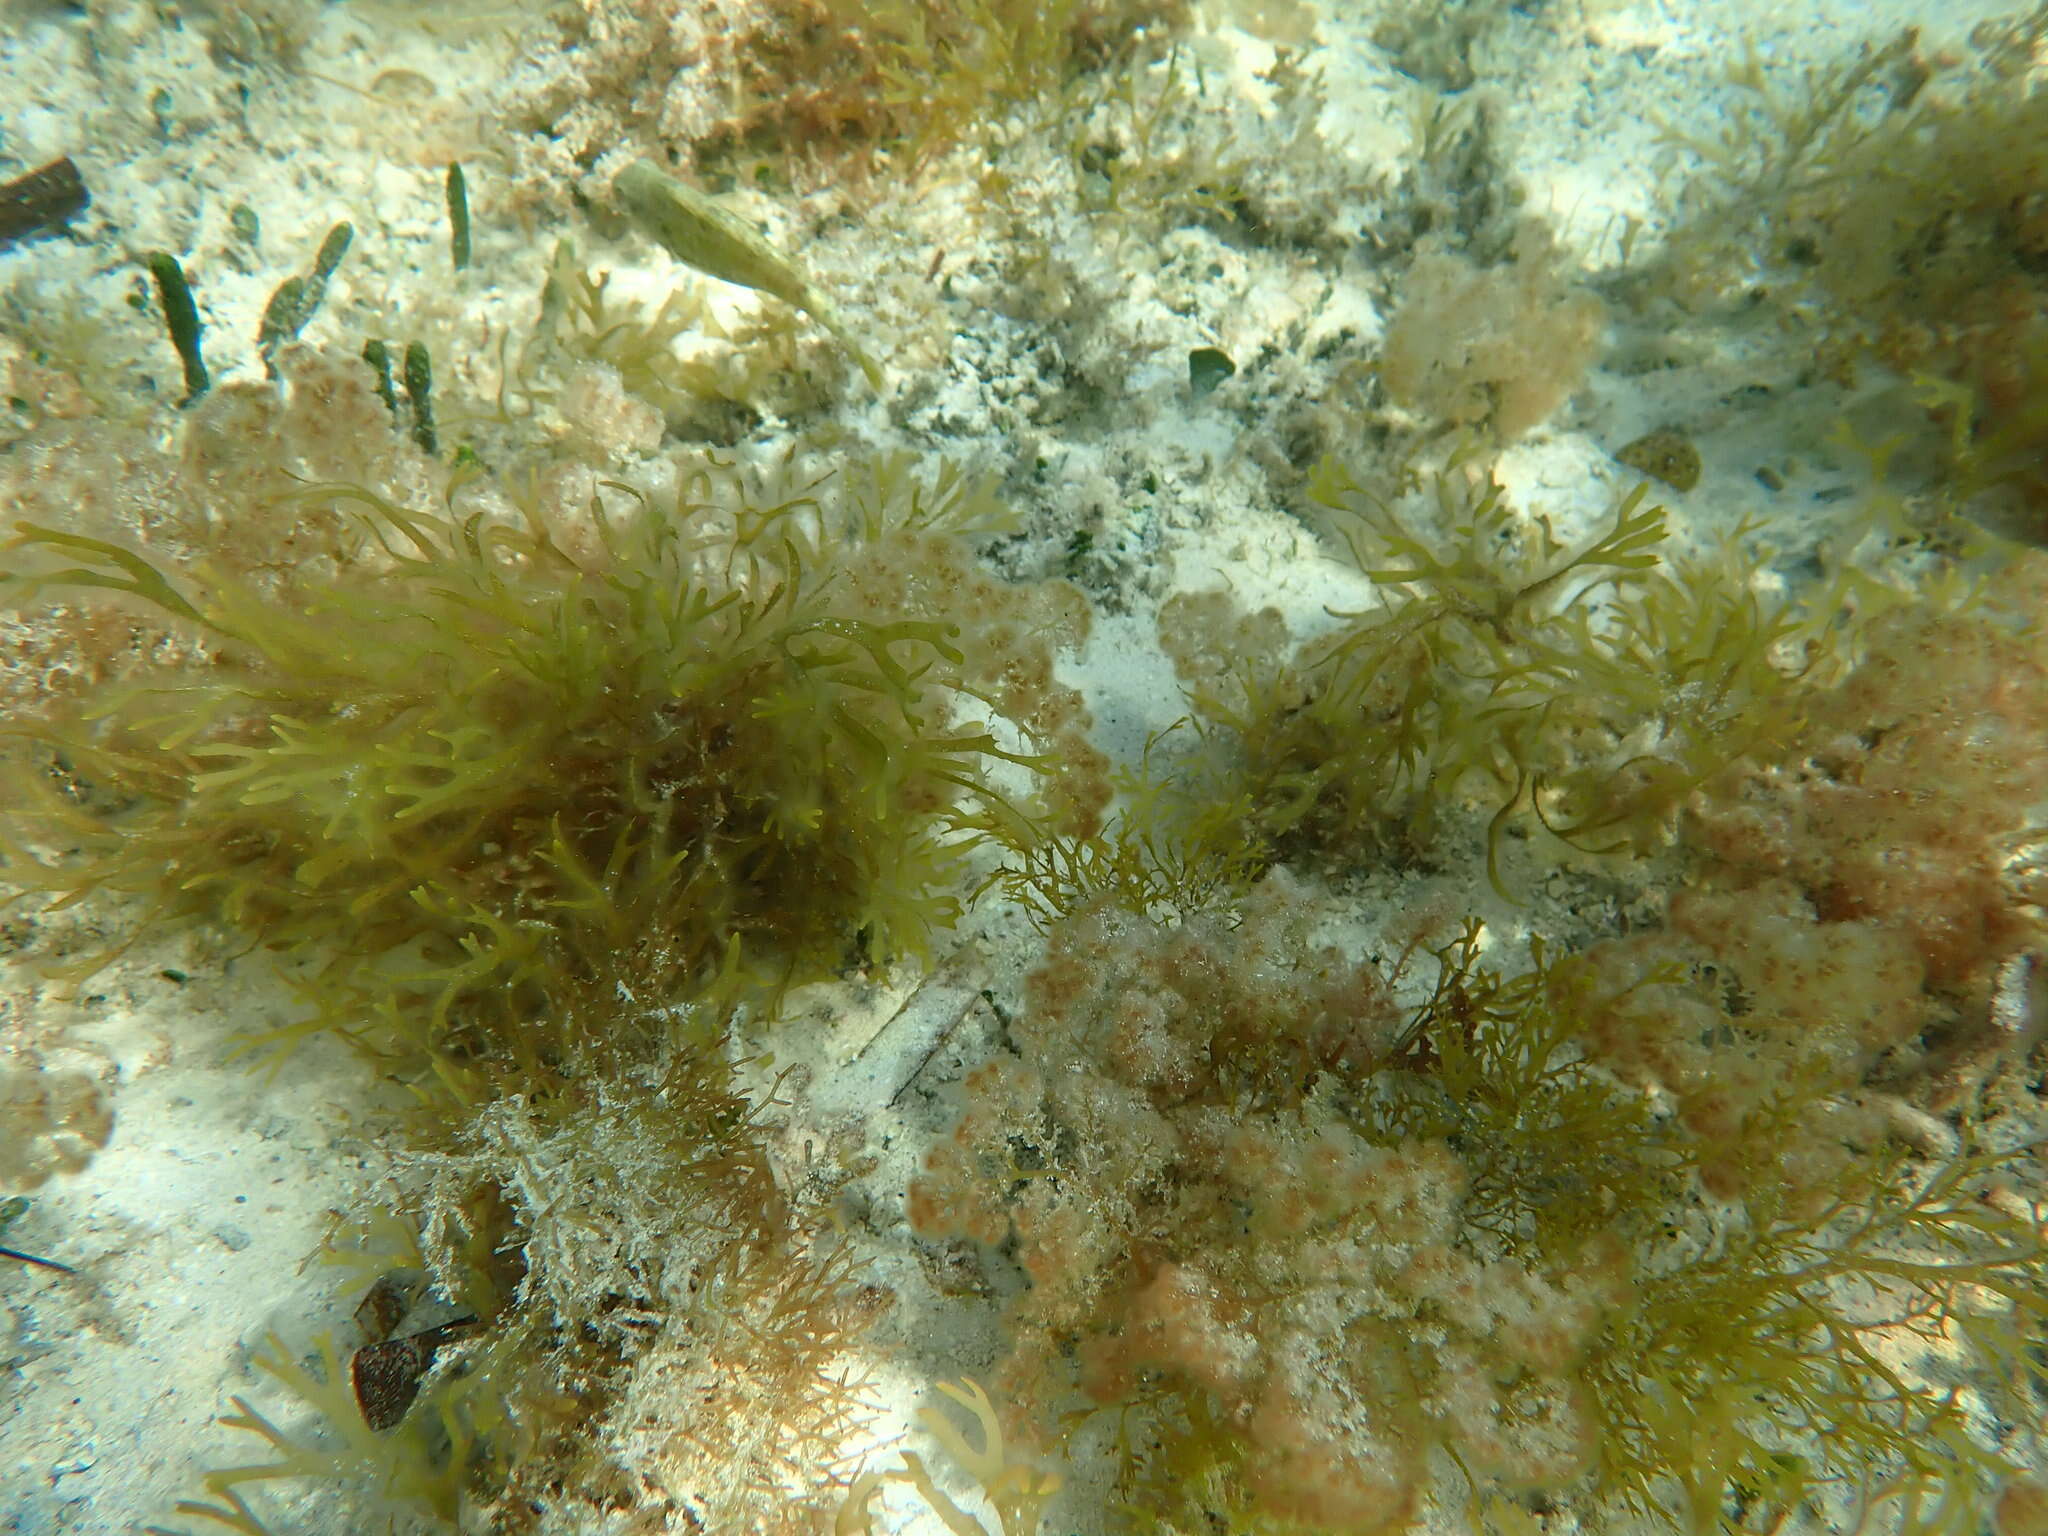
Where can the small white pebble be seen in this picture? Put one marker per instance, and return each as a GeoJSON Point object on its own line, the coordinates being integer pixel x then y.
{"type": "Point", "coordinates": [1918, 1129]}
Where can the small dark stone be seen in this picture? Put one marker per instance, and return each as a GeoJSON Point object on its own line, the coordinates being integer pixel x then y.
{"type": "Point", "coordinates": [1665, 454]}
{"type": "Point", "coordinates": [386, 1378]}
{"type": "Point", "coordinates": [384, 1306]}
{"type": "Point", "coordinates": [42, 200]}
{"type": "Point", "coordinates": [1208, 367]}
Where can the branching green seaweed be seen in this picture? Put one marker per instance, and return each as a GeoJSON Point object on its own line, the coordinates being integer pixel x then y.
{"type": "Point", "coordinates": [1173, 846]}
{"type": "Point", "coordinates": [1016, 1489]}
{"type": "Point", "coordinates": [669, 740]}
{"type": "Point", "coordinates": [1591, 690]}
{"type": "Point", "coordinates": [1463, 1264]}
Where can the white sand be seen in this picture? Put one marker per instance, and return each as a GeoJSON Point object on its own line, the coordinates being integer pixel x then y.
{"type": "Point", "coordinates": [193, 1229]}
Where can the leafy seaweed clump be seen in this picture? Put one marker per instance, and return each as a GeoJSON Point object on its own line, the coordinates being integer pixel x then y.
{"type": "Point", "coordinates": [1177, 844]}
{"type": "Point", "coordinates": [1890, 200]}
{"type": "Point", "coordinates": [1591, 689]}
{"type": "Point", "coordinates": [1329, 1261]}
{"type": "Point", "coordinates": [461, 1426]}
{"type": "Point", "coordinates": [589, 1284]}
{"type": "Point", "coordinates": [907, 77]}
{"type": "Point", "coordinates": [527, 799]}
{"type": "Point", "coordinates": [1015, 1489]}
{"type": "Point", "coordinates": [732, 733]}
